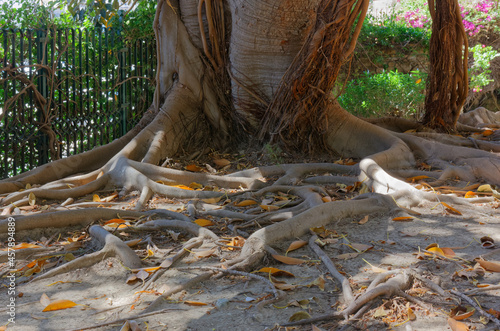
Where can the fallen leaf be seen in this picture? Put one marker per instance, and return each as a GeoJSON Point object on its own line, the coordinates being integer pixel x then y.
{"type": "Point", "coordinates": [203, 222]}
{"type": "Point", "coordinates": [460, 313]}
{"type": "Point", "coordinates": [489, 265]}
{"type": "Point", "coordinates": [285, 286]}
{"type": "Point", "coordinates": [296, 245]}
{"type": "Point", "coordinates": [195, 303]}
{"type": "Point", "coordinates": [115, 220]}
{"type": "Point", "coordinates": [32, 199]}
{"type": "Point", "coordinates": [193, 168]}
{"type": "Point", "coordinates": [411, 314]}
{"type": "Point", "coordinates": [245, 203]}
{"type": "Point", "coordinates": [204, 253]}
{"type": "Point", "coordinates": [25, 245]}
{"type": "Point", "coordinates": [435, 250]}
{"type": "Point", "coordinates": [134, 242]}
{"type": "Point", "coordinates": [59, 304]}
{"type": "Point", "coordinates": [276, 272]}
{"type": "Point", "coordinates": [195, 185]}
{"type": "Point", "coordinates": [300, 315]}
{"type": "Point", "coordinates": [448, 252]}
{"type": "Point", "coordinates": [212, 200]}
{"type": "Point", "coordinates": [45, 300]}
{"type": "Point", "coordinates": [319, 282]}
{"type": "Point", "coordinates": [484, 188]}
{"type": "Point", "coordinates": [487, 132]}
{"type": "Point", "coordinates": [222, 162]}
{"type": "Point", "coordinates": [269, 207]}
{"type": "Point", "coordinates": [381, 312]}
{"type": "Point", "coordinates": [360, 248]}
{"type": "Point", "coordinates": [403, 218]}
{"type": "Point", "coordinates": [471, 272]}
{"type": "Point", "coordinates": [364, 220]}
{"type": "Point", "coordinates": [96, 198]}
{"type": "Point", "coordinates": [470, 195]}
{"type": "Point", "coordinates": [287, 259]}
{"type": "Point", "coordinates": [347, 256]}
{"type": "Point", "coordinates": [326, 198]}
{"type": "Point", "coordinates": [494, 312]}
{"type": "Point", "coordinates": [456, 325]}
{"type": "Point", "coordinates": [450, 209]}
{"type": "Point", "coordinates": [416, 178]}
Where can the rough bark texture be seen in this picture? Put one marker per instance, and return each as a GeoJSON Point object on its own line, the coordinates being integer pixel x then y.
{"type": "Point", "coordinates": [448, 79]}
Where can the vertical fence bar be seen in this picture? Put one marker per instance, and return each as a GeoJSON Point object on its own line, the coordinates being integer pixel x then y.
{"type": "Point", "coordinates": [6, 142]}
{"type": "Point", "coordinates": [122, 91]}
{"type": "Point", "coordinates": [30, 97]}
{"type": "Point", "coordinates": [43, 89]}
{"type": "Point", "coordinates": [80, 96]}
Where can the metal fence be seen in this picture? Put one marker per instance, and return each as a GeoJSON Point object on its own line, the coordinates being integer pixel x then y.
{"type": "Point", "coordinates": [66, 91]}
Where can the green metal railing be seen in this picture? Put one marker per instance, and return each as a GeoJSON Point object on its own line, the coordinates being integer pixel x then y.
{"type": "Point", "coordinates": [66, 91]}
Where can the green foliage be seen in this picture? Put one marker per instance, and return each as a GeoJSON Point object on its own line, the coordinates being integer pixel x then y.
{"type": "Point", "coordinates": [479, 72]}
{"type": "Point", "coordinates": [388, 31]}
{"type": "Point", "coordinates": [387, 93]}
{"type": "Point", "coordinates": [139, 22]}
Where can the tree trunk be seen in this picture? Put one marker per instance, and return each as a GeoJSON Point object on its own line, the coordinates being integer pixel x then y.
{"type": "Point", "coordinates": [448, 79]}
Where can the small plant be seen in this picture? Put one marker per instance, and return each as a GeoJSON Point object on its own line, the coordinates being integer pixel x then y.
{"type": "Point", "coordinates": [480, 71]}
{"type": "Point", "coordinates": [387, 93]}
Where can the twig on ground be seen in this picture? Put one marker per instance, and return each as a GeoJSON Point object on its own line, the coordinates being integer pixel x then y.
{"type": "Point", "coordinates": [476, 306]}
{"type": "Point", "coordinates": [346, 287]}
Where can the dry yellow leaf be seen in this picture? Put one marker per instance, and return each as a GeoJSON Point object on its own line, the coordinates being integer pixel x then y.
{"type": "Point", "coordinates": [269, 207]}
{"type": "Point", "coordinates": [300, 315]}
{"type": "Point", "coordinates": [32, 199]}
{"type": "Point", "coordinates": [59, 304]}
{"type": "Point", "coordinates": [364, 220]}
{"type": "Point", "coordinates": [470, 195]}
{"type": "Point", "coordinates": [115, 220]}
{"type": "Point", "coordinates": [195, 186]}
{"type": "Point", "coordinates": [416, 178]}
{"type": "Point", "coordinates": [245, 203]}
{"type": "Point", "coordinates": [326, 198]}
{"type": "Point", "coordinates": [203, 222]}
{"type": "Point", "coordinates": [484, 188]}
{"type": "Point", "coordinates": [212, 200]}
{"type": "Point", "coordinates": [26, 245]}
{"type": "Point", "coordinates": [96, 198]}
{"type": "Point", "coordinates": [450, 209]}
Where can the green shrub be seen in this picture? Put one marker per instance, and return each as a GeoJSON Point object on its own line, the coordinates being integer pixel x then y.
{"type": "Point", "coordinates": [386, 94]}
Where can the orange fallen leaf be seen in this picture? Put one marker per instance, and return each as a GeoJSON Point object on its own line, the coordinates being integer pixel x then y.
{"type": "Point", "coordinates": [193, 168]}
{"type": "Point", "coordinates": [269, 207]}
{"type": "Point", "coordinates": [95, 198]}
{"type": "Point", "coordinates": [59, 304]}
{"type": "Point", "coordinates": [134, 242]}
{"type": "Point", "coordinates": [245, 203]}
{"type": "Point", "coordinates": [26, 245]}
{"type": "Point", "coordinates": [326, 198]}
{"type": "Point", "coordinates": [364, 220]}
{"type": "Point", "coordinates": [183, 187]}
{"type": "Point", "coordinates": [489, 265]}
{"type": "Point", "coordinates": [319, 282]}
{"type": "Point", "coordinates": [416, 178]}
{"type": "Point", "coordinates": [487, 132]}
{"type": "Point", "coordinates": [115, 220]}
{"type": "Point", "coordinates": [276, 272]}
{"type": "Point", "coordinates": [195, 303]}
{"type": "Point", "coordinates": [450, 209]}
{"type": "Point", "coordinates": [195, 185]}
{"type": "Point", "coordinates": [203, 222]}
{"type": "Point", "coordinates": [403, 218]}
{"type": "Point", "coordinates": [296, 245]}
{"type": "Point", "coordinates": [435, 250]}
{"type": "Point", "coordinates": [288, 260]}
{"type": "Point", "coordinates": [448, 252]}
{"type": "Point", "coordinates": [456, 325]}
{"type": "Point", "coordinates": [360, 248]}
{"type": "Point", "coordinates": [470, 195]}
{"type": "Point", "coordinates": [460, 313]}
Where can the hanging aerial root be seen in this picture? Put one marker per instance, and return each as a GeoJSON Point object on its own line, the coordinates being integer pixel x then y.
{"type": "Point", "coordinates": [113, 246]}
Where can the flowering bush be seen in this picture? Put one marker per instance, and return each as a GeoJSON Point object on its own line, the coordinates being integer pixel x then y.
{"type": "Point", "coordinates": [480, 70]}
{"type": "Point", "coordinates": [476, 16]}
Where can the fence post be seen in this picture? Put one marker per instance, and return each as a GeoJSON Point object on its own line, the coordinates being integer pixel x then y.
{"type": "Point", "coordinates": [41, 56]}
{"type": "Point", "coordinates": [122, 91]}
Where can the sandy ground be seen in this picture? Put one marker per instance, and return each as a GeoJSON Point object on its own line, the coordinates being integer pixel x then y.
{"type": "Point", "coordinates": [232, 301]}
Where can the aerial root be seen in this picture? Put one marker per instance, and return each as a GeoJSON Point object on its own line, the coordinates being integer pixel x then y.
{"type": "Point", "coordinates": [113, 246]}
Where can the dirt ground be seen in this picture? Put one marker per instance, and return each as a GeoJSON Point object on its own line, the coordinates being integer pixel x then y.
{"type": "Point", "coordinates": [237, 302]}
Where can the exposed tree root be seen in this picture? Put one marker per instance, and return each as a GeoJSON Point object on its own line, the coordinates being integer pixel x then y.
{"type": "Point", "coordinates": [113, 246]}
